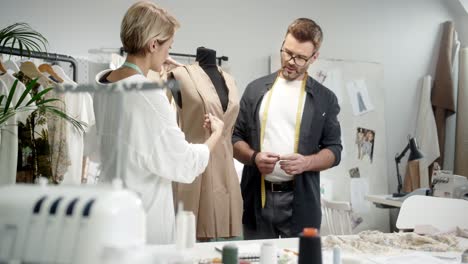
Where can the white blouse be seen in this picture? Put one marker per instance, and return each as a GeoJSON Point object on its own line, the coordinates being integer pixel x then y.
{"type": "Point", "coordinates": [138, 135]}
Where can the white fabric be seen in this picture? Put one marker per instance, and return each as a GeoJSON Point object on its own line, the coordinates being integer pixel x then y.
{"type": "Point", "coordinates": [11, 65]}
{"type": "Point", "coordinates": [280, 127]}
{"type": "Point", "coordinates": [4, 179]}
{"type": "Point", "coordinates": [450, 127]}
{"type": "Point", "coordinates": [80, 107]}
{"type": "Point", "coordinates": [139, 136]}
{"type": "Point", "coordinates": [9, 133]}
{"type": "Point", "coordinates": [426, 132]}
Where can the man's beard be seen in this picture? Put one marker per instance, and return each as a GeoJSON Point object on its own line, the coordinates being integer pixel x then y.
{"type": "Point", "coordinates": [290, 76]}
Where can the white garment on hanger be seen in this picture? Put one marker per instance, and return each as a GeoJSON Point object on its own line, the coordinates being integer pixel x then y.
{"type": "Point", "coordinates": [426, 133]}
{"type": "Point", "coordinates": [11, 65]}
{"type": "Point", "coordinates": [80, 107]}
{"type": "Point", "coordinates": [9, 133]}
{"type": "Point", "coordinates": [138, 134]}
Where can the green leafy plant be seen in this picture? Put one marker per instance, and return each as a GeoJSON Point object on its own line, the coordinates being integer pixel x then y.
{"type": "Point", "coordinates": [37, 103]}
{"type": "Point", "coordinates": [22, 37]}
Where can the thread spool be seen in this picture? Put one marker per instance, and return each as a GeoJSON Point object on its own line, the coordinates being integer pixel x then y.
{"type": "Point", "coordinates": [310, 247]}
{"type": "Point", "coordinates": [336, 255]}
{"type": "Point", "coordinates": [190, 228]}
{"type": "Point", "coordinates": [464, 258]}
{"type": "Point", "coordinates": [268, 253]}
{"type": "Point", "coordinates": [230, 254]}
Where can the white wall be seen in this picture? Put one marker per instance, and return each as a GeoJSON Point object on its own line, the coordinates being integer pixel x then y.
{"type": "Point", "coordinates": [401, 35]}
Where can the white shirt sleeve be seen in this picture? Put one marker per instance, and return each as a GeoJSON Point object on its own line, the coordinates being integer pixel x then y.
{"type": "Point", "coordinates": [172, 157]}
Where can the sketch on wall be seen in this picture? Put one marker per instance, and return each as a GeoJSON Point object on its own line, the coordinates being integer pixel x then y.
{"type": "Point", "coordinates": [359, 97]}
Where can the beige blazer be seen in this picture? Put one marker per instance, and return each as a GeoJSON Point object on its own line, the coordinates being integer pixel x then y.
{"type": "Point", "coordinates": [214, 197]}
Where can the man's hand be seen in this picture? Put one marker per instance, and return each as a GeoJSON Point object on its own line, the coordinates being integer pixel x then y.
{"type": "Point", "coordinates": [294, 163]}
{"type": "Point", "coordinates": [266, 161]}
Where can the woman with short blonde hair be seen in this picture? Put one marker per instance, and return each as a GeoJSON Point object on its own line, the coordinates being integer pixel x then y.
{"type": "Point", "coordinates": [143, 21]}
{"type": "Point", "coordinates": [141, 126]}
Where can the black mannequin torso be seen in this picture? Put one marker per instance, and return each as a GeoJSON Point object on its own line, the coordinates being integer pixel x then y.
{"type": "Point", "coordinates": [207, 60]}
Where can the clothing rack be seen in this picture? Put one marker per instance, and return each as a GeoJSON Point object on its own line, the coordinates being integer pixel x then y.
{"type": "Point", "coordinates": [45, 56]}
{"type": "Point", "coordinates": [220, 59]}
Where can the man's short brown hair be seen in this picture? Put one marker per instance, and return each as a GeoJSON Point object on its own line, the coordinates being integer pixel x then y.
{"type": "Point", "coordinates": [305, 29]}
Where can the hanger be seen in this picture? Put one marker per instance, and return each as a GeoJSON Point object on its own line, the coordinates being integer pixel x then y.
{"type": "Point", "coordinates": [30, 69]}
{"type": "Point", "coordinates": [60, 72]}
{"type": "Point", "coordinates": [48, 68]}
{"type": "Point", "coordinates": [2, 67]}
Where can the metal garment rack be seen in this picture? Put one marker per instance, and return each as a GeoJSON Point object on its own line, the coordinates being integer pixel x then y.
{"type": "Point", "coordinates": [220, 59]}
{"type": "Point", "coordinates": [45, 56]}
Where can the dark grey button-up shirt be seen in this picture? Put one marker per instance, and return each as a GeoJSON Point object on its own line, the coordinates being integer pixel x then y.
{"type": "Point", "coordinates": [319, 129]}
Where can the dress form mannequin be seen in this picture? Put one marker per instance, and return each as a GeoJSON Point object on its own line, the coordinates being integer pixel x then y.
{"type": "Point", "coordinates": [214, 197]}
{"type": "Point", "coordinates": [207, 60]}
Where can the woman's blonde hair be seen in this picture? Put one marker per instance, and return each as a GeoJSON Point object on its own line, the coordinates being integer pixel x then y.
{"type": "Point", "coordinates": [145, 20]}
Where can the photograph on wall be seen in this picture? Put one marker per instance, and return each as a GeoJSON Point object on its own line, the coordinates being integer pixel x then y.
{"type": "Point", "coordinates": [354, 173]}
{"type": "Point", "coordinates": [359, 97]}
{"type": "Point", "coordinates": [365, 143]}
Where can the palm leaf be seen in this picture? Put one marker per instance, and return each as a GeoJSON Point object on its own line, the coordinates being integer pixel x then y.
{"type": "Point", "coordinates": [23, 37]}
{"type": "Point", "coordinates": [10, 97]}
{"type": "Point", "coordinates": [1, 98]}
{"type": "Point", "coordinates": [28, 89]}
{"type": "Point", "coordinates": [42, 102]}
{"type": "Point", "coordinates": [39, 95]}
{"type": "Point", "coordinates": [4, 117]}
{"type": "Point", "coordinates": [78, 125]}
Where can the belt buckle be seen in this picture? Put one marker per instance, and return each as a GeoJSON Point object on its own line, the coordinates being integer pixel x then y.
{"type": "Point", "coordinates": [273, 187]}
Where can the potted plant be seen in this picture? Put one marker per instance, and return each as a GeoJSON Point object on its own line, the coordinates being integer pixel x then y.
{"type": "Point", "coordinates": [21, 36]}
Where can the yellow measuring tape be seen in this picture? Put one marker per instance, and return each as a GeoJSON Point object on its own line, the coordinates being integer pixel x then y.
{"type": "Point", "coordinates": [300, 107]}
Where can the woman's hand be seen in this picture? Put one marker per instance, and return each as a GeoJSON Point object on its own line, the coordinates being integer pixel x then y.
{"type": "Point", "coordinates": [167, 66]}
{"type": "Point", "coordinates": [213, 124]}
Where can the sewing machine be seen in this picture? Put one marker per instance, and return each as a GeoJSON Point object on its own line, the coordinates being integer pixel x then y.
{"type": "Point", "coordinates": [446, 184]}
{"type": "Point", "coordinates": [59, 224]}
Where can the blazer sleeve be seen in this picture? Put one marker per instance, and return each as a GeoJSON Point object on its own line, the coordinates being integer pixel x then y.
{"type": "Point", "coordinates": [240, 132]}
{"type": "Point", "coordinates": [331, 136]}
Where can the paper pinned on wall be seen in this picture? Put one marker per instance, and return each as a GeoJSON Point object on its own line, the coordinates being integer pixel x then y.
{"type": "Point", "coordinates": [359, 97]}
{"type": "Point", "coordinates": [326, 188]}
{"type": "Point", "coordinates": [333, 80]}
{"type": "Point", "coordinates": [359, 189]}
{"type": "Point", "coordinates": [354, 172]}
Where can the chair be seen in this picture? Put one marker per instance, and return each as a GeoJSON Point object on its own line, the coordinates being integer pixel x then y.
{"type": "Point", "coordinates": [442, 213]}
{"type": "Point", "coordinates": [337, 216]}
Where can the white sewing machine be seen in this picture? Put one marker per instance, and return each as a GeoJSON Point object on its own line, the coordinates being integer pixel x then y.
{"type": "Point", "coordinates": [446, 184]}
{"type": "Point", "coordinates": [59, 224]}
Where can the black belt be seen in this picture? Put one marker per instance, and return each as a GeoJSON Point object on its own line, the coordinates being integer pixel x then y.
{"type": "Point", "coordinates": [287, 186]}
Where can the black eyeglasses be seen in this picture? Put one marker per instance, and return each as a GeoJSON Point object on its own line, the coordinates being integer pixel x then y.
{"type": "Point", "coordinates": [298, 60]}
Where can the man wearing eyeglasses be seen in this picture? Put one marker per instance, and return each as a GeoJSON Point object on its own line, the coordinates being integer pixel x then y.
{"type": "Point", "coordinates": [287, 132]}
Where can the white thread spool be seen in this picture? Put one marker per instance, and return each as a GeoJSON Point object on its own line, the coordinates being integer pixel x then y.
{"type": "Point", "coordinates": [268, 253]}
{"type": "Point", "coordinates": [336, 255]}
{"type": "Point", "coordinates": [189, 218]}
